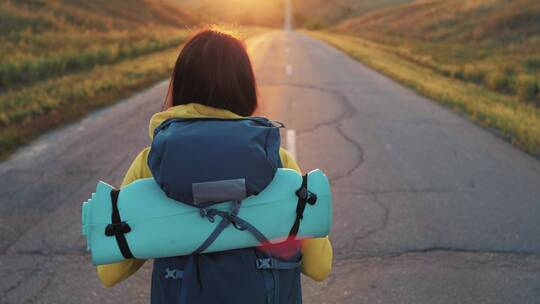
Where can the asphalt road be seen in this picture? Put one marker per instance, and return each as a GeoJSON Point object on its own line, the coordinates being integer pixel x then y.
{"type": "Point", "coordinates": [429, 208]}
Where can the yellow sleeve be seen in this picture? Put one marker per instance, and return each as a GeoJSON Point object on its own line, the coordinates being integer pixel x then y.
{"type": "Point", "coordinates": [317, 258]}
{"type": "Point", "coordinates": [112, 274]}
{"type": "Point", "coordinates": [138, 169]}
{"type": "Point", "coordinates": [317, 252]}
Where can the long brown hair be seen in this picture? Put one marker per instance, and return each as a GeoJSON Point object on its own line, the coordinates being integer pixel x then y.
{"type": "Point", "coordinates": [214, 69]}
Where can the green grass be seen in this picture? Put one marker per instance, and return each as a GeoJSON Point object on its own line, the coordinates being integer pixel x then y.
{"type": "Point", "coordinates": [512, 118]}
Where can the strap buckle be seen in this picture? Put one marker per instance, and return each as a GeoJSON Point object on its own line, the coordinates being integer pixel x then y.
{"type": "Point", "coordinates": [117, 228]}
{"type": "Point", "coordinates": [269, 263]}
{"type": "Point", "coordinates": [174, 274]}
{"type": "Point", "coordinates": [208, 213]}
{"type": "Point", "coordinates": [265, 263]}
{"type": "Point", "coordinates": [236, 224]}
{"type": "Point", "coordinates": [306, 195]}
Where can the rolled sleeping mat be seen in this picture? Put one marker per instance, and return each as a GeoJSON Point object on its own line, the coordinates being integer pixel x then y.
{"type": "Point", "coordinates": [163, 227]}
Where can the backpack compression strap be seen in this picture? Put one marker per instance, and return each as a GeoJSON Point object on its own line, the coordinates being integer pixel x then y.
{"type": "Point", "coordinates": [304, 196]}
{"type": "Point", "coordinates": [228, 218]}
{"type": "Point", "coordinates": [117, 227]}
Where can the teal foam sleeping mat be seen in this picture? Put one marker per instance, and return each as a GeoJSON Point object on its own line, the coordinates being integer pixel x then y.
{"type": "Point", "coordinates": [163, 227]}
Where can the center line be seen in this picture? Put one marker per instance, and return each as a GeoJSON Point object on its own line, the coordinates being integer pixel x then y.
{"type": "Point", "coordinates": [291, 142]}
{"type": "Point", "coordinates": [289, 69]}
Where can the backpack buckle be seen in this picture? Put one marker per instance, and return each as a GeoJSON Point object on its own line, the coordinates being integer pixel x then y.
{"type": "Point", "coordinates": [205, 213]}
{"type": "Point", "coordinates": [265, 263]}
{"type": "Point", "coordinates": [174, 274]}
{"type": "Point", "coordinates": [117, 228]}
{"type": "Point", "coordinates": [306, 195]}
{"type": "Point", "coordinates": [237, 225]}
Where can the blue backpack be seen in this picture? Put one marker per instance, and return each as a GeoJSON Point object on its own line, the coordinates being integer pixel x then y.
{"type": "Point", "coordinates": [204, 161]}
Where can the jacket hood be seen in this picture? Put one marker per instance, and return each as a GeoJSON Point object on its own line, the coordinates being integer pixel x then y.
{"type": "Point", "coordinates": [190, 110]}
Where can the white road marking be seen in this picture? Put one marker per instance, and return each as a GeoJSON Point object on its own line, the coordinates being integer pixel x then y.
{"type": "Point", "coordinates": [291, 142]}
{"type": "Point", "coordinates": [289, 69]}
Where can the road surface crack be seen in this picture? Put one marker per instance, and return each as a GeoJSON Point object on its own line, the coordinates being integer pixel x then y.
{"type": "Point", "coordinates": [359, 152]}
{"type": "Point", "coordinates": [382, 226]}
{"type": "Point", "coordinates": [40, 292]}
{"type": "Point", "coordinates": [27, 275]}
{"type": "Point", "coordinates": [348, 112]}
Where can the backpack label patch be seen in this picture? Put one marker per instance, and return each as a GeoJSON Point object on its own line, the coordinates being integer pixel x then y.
{"type": "Point", "coordinates": [219, 191]}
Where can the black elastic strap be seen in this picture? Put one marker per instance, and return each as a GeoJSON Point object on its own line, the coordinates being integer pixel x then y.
{"type": "Point", "coordinates": [117, 227]}
{"type": "Point", "coordinates": [304, 197]}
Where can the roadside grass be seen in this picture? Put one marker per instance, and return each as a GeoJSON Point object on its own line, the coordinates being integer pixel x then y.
{"type": "Point", "coordinates": [493, 43]}
{"type": "Point", "coordinates": [56, 102]}
{"type": "Point", "coordinates": [33, 57]}
{"type": "Point", "coordinates": [61, 59]}
{"type": "Point", "coordinates": [510, 117]}
{"type": "Point", "coordinates": [508, 69]}
{"type": "Point", "coordinates": [31, 110]}
{"type": "Point", "coordinates": [41, 40]}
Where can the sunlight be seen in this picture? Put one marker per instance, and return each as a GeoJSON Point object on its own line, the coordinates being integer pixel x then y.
{"type": "Point", "coordinates": [261, 12]}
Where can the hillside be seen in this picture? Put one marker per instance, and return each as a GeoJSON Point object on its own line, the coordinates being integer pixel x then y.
{"type": "Point", "coordinates": [100, 15]}
{"type": "Point", "coordinates": [44, 39]}
{"type": "Point", "coordinates": [456, 21]}
{"type": "Point", "coordinates": [62, 59]}
{"type": "Point", "coordinates": [493, 43]}
{"type": "Point", "coordinates": [317, 14]}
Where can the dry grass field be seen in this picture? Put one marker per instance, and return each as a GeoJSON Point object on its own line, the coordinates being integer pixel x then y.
{"type": "Point", "coordinates": [320, 14]}
{"type": "Point", "coordinates": [493, 43]}
{"type": "Point", "coordinates": [61, 59]}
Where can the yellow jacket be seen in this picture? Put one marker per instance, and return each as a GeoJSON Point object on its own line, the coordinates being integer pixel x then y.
{"type": "Point", "coordinates": [317, 252]}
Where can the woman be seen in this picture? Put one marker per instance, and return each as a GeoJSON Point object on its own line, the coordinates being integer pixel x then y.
{"type": "Point", "coordinates": [213, 77]}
